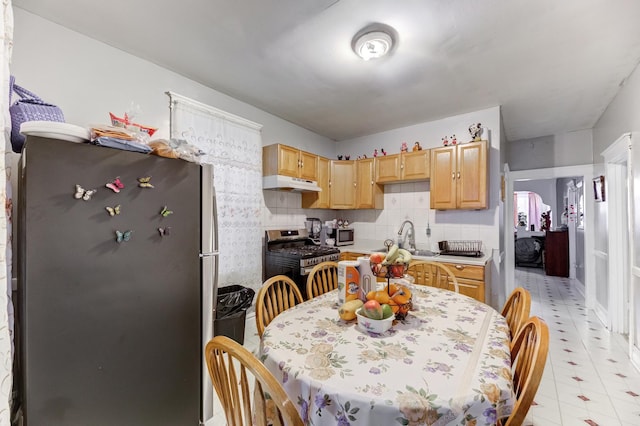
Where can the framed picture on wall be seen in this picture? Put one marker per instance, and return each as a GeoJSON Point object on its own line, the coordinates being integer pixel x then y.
{"type": "Point", "coordinates": [598, 188]}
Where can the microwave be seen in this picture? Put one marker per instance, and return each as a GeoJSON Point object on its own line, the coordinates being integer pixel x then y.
{"type": "Point", "coordinates": [344, 236]}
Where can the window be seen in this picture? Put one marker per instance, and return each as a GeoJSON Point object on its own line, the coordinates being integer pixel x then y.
{"type": "Point", "coordinates": [528, 210]}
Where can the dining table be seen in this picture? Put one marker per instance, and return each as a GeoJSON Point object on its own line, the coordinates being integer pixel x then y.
{"type": "Point", "coordinates": [447, 362]}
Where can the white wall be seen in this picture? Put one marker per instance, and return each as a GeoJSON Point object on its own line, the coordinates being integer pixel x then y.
{"type": "Point", "coordinates": [564, 149]}
{"type": "Point", "coordinates": [621, 116]}
{"type": "Point", "coordinates": [89, 79]}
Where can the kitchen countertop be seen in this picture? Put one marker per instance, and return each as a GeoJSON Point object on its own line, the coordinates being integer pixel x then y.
{"type": "Point", "coordinates": [369, 246]}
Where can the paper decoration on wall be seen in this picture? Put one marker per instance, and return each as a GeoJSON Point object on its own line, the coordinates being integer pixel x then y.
{"type": "Point", "coordinates": [84, 194]}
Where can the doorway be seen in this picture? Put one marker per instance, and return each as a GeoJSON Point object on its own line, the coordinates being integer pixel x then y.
{"type": "Point", "coordinates": [585, 173]}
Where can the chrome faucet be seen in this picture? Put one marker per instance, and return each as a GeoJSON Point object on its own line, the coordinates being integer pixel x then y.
{"type": "Point", "coordinates": [411, 233]}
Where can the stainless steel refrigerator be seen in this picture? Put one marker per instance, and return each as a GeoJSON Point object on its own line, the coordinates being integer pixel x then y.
{"type": "Point", "coordinates": [115, 287]}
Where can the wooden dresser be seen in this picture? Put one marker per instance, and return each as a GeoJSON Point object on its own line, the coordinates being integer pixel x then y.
{"type": "Point", "coordinates": [556, 253]}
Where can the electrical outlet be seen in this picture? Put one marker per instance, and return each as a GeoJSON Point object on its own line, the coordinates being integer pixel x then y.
{"type": "Point", "coordinates": [428, 231]}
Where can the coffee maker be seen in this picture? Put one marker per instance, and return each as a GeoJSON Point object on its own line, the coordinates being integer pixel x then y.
{"type": "Point", "coordinates": [313, 226]}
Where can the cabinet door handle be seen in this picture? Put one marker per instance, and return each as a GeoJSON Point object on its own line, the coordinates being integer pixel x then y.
{"type": "Point", "coordinates": [458, 175]}
{"type": "Point", "coordinates": [329, 183]}
{"type": "Point", "coordinates": [453, 175]}
{"type": "Point", "coordinates": [371, 183]}
{"type": "Point", "coordinates": [459, 267]}
{"type": "Point", "coordinates": [302, 164]}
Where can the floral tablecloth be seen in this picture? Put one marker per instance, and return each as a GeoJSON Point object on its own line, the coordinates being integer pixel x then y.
{"type": "Point", "coordinates": [447, 363]}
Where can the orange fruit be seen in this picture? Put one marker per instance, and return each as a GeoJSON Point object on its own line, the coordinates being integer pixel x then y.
{"type": "Point", "coordinates": [402, 291]}
{"type": "Point", "coordinates": [400, 299]}
{"type": "Point", "coordinates": [371, 295]}
{"type": "Point", "coordinates": [382, 297]}
{"type": "Point", "coordinates": [393, 288]}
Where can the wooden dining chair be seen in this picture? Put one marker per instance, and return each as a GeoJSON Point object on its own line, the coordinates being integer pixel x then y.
{"type": "Point", "coordinates": [226, 360]}
{"type": "Point", "coordinates": [277, 294]}
{"type": "Point", "coordinates": [433, 274]}
{"type": "Point", "coordinates": [528, 356]}
{"type": "Point", "coordinates": [322, 278]}
{"type": "Point", "coordinates": [516, 309]}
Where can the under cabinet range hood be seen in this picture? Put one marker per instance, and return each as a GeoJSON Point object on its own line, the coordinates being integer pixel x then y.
{"type": "Point", "coordinates": [288, 183]}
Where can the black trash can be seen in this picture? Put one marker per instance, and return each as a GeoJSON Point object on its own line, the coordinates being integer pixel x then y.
{"type": "Point", "coordinates": [231, 311]}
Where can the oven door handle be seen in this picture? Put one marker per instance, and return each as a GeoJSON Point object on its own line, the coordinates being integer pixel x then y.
{"type": "Point", "coordinates": [306, 271]}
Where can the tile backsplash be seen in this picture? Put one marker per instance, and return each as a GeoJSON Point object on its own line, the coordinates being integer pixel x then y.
{"type": "Point", "coordinates": [403, 201]}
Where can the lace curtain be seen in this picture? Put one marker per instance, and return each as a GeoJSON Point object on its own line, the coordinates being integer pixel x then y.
{"type": "Point", "coordinates": [6, 307]}
{"type": "Point", "coordinates": [234, 146]}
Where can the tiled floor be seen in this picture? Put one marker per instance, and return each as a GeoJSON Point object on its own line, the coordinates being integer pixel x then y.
{"type": "Point", "coordinates": [588, 379]}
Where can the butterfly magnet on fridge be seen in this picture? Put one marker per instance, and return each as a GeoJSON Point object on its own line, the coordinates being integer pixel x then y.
{"type": "Point", "coordinates": [123, 236]}
{"type": "Point", "coordinates": [113, 210]}
{"type": "Point", "coordinates": [84, 194]}
{"type": "Point", "coordinates": [116, 185]}
{"type": "Point", "coordinates": [144, 182]}
{"type": "Point", "coordinates": [165, 212]}
{"type": "Point", "coordinates": [164, 231]}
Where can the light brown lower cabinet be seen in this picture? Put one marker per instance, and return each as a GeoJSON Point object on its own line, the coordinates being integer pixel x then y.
{"type": "Point", "coordinates": [471, 279]}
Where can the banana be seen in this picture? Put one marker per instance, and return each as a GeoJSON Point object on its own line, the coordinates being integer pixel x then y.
{"type": "Point", "coordinates": [393, 253]}
{"type": "Point", "coordinates": [406, 256]}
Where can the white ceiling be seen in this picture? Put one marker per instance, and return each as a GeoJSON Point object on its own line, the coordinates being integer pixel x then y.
{"type": "Point", "coordinates": [553, 65]}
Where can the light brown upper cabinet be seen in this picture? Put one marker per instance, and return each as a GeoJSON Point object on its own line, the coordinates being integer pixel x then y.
{"type": "Point", "coordinates": [343, 184]}
{"type": "Point", "coordinates": [284, 160]}
{"type": "Point", "coordinates": [322, 199]}
{"type": "Point", "coordinates": [459, 176]}
{"type": "Point", "coordinates": [403, 167]}
{"type": "Point", "coordinates": [369, 195]}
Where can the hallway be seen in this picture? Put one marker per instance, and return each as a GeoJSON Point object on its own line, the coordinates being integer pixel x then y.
{"type": "Point", "coordinates": [588, 379]}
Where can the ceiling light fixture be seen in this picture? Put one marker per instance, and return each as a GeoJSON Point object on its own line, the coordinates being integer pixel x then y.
{"type": "Point", "coordinates": [373, 41]}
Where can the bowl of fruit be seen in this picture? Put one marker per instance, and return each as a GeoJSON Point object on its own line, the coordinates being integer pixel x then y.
{"type": "Point", "coordinates": [392, 264]}
{"type": "Point", "coordinates": [397, 297]}
{"type": "Point", "coordinates": [374, 317]}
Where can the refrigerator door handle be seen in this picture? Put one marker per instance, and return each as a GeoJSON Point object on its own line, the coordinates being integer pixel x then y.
{"type": "Point", "coordinates": [208, 254]}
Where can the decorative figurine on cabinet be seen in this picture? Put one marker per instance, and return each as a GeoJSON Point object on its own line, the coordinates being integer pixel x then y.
{"type": "Point", "coordinates": [347, 157]}
{"type": "Point", "coordinates": [454, 141]}
{"type": "Point", "coordinates": [475, 130]}
{"type": "Point", "coordinates": [375, 152]}
{"type": "Point", "coordinates": [339, 157]}
{"type": "Point", "coordinates": [445, 141]}
{"type": "Point", "coordinates": [404, 148]}
{"type": "Point", "coordinates": [383, 151]}
{"type": "Point", "coordinates": [417, 147]}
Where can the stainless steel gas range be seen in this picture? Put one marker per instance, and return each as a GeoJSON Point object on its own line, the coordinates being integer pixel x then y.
{"type": "Point", "coordinates": [293, 253]}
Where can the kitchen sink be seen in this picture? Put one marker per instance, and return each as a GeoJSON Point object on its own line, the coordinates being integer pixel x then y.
{"type": "Point", "coordinates": [424, 253]}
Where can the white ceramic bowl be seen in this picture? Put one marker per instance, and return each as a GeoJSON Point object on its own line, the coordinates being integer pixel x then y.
{"type": "Point", "coordinates": [372, 325]}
